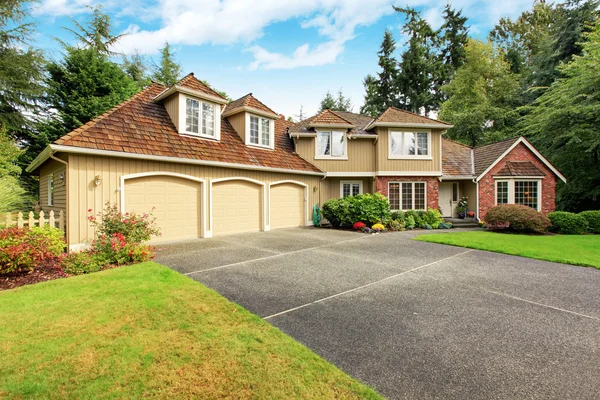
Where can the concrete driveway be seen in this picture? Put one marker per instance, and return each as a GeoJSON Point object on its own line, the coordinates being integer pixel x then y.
{"type": "Point", "coordinates": [411, 319]}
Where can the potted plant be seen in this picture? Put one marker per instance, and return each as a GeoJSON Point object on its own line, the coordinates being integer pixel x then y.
{"type": "Point", "coordinates": [462, 208]}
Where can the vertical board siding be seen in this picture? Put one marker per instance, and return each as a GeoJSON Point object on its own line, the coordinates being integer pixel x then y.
{"type": "Point", "coordinates": [172, 106]}
{"type": "Point", "coordinates": [361, 156]}
{"type": "Point", "coordinates": [85, 195]}
{"type": "Point", "coordinates": [238, 122]}
{"type": "Point", "coordinates": [385, 164]}
{"type": "Point", "coordinates": [55, 169]}
{"type": "Point", "coordinates": [330, 187]}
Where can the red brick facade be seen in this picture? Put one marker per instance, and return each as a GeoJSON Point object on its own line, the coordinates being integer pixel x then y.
{"type": "Point", "coordinates": [432, 183]}
{"type": "Point", "coordinates": [487, 188]}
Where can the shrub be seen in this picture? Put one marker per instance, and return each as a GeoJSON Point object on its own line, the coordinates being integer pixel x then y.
{"type": "Point", "coordinates": [410, 222]}
{"type": "Point", "coordinates": [119, 237]}
{"type": "Point", "coordinates": [378, 227]}
{"type": "Point", "coordinates": [26, 248]}
{"type": "Point", "coordinates": [516, 217]}
{"type": "Point", "coordinates": [358, 225]}
{"type": "Point", "coordinates": [366, 208]}
{"type": "Point", "coordinates": [397, 216]}
{"type": "Point", "coordinates": [568, 223]}
{"type": "Point", "coordinates": [445, 225]}
{"type": "Point", "coordinates": [434, 218]}
{"type": "Point", "coordinates": [83, 262]}
{"type": "Point", "coordinates": [593, 220]}
{"type": "Point", "coordinates": [396, 225]}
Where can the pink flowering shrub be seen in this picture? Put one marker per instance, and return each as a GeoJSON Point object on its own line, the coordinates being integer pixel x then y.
{"type": "Point", "coordinates": [120, 237]}
{"type": "Point", "coordinates": [358, 225]}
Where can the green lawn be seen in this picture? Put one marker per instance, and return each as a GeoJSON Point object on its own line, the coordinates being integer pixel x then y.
{"type": "Point", "coordinates": [146, 331]}
{"type": "Point", "coordinates": [569, 249]}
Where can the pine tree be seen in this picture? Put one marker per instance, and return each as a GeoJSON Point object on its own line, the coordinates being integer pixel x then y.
{"type": "Point", "coordinates": [21, 71]}
{"type": "Point", "coordinates": [97, 35]}
{"type": "Point", "coordinates": [420, 66]}
{"type": "Point", "coordinates": [381, 90]}
{"type": "Point", "coordinates": [135, 67]}
{"type": "Point", "coordinates": [327, 102]}
{"type": "Point", "coordinates": [168, 71]}
{"type": "Point", "coordinates": [454, 35]}
{"type": "Point", "coordinates": [339, 103]}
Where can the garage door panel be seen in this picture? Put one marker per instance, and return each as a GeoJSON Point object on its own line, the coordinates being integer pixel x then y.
{"type": "Point", "coordinates": [287, 206]}
{"type": "Point", "coordinates": [236, 207]}
{"type": "Point", "coordinates": [176, 201]}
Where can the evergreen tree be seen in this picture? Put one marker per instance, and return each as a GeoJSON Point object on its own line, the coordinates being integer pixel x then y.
{"type": "Point", "coordinates": [339, 103]}
{"type": "Point", "coordinates": [135, 67]}
{"type": "Point", "coordinates": [564, 124]}
{"type": "Point", "coordinates": [168, 71]}
{"type": "Point", "coordinates": [481, 97]}
{"type": "Point", "coordinates": [21, 71]}
{"type": "Point", "coordinates": [12, 195]}
{"type": "Point", "coordinates": [381, 91]}
{"type": "Point", "coordinates": [97, 36]}
{"type": "Point", "coordinates": [454, 35]}
{"type": "Point", "coordinates": [327, 102]}
{"type": "Point", "coordinates": [420, 67]}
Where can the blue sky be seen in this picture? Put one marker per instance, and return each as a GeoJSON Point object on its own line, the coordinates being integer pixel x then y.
{"type": "Point", "coordinates": [288, 53]}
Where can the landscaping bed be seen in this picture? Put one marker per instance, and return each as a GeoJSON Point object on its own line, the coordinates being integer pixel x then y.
{"type": "Point", "coordinates": [147, 331]}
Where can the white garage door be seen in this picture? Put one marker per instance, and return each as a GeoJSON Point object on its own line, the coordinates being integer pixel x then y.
{"type": "Point", "coordinates": [236, 207]}
{"type": "Point", "coordinates": [287, 206]}
{"type": "Point", "coordinates": [177, 204]}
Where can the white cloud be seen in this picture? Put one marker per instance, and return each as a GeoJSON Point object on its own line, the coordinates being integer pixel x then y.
{"type": "Point", "coordinates": [62, 7]}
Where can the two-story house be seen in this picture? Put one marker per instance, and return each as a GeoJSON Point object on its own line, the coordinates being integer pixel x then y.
{"type": "Point", "coordinates": [211, 167]}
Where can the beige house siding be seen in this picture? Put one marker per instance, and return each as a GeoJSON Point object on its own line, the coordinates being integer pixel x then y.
{"type": "Point", "coordinates": [172, 106]}
{"type": "Point", "coordinates": [385, 164]}
{"type": "Point", "coordinates": [361, 156]}
{"type": "Point", "coordinates": [238, 122]}
{"type": "Point", "coordinates": [330, 187]}
{"type": "Point", "coordinates": [85, 195]}
{"type": "Point", "coordinates": [54, 168]}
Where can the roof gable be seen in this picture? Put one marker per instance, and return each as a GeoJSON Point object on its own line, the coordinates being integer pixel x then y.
{"type": "Point", "coordinates": [328, 117]}
{"type": "Point", "coordinates": [245, 102]}
{"type": "Point", "coordinates": [191, 82]}
{"type": "Point", "coordinates": [519, 168]}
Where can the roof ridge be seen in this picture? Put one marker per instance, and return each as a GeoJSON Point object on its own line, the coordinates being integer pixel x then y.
{"type": "Point", "coordinates": [418, 115]}
{"type": "Point", "coordinates": [330, 111]}
{"type": "Point", "coordinates": [338, 115]}
{"type": "Point", "coordinates": [91, 123]}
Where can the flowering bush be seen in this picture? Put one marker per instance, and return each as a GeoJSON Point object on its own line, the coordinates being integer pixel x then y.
{"type": "Point", "coordinates": [81, 263]}
{"type": "Point", "coordinates": [358, 225]}
{"type": "Point", "coordinates": [462, 205]}
{"type": "Point", "coordinates": [366, 229]}
{"type": "Point", "coordinates": [378, 227]}
{"type": "Point", "coordinates": [26, 248]}
{"type": "Point", "coordinates": [119, 237]}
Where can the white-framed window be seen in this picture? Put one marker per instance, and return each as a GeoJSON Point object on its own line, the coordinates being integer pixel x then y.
{"type": "Point", "coordinates": [350, 188]}
{"type": "Point", "coordinates": [51, 190]}
{"type": "Point", "coordinates": [331, 144]}
{"type": "Point", "coordinates": [404, 144]}
{"type": "Point", "coordinates": [407, 195]}
{"type": "Point", "coordinates": [200, 118]}
{"type": "Point", "coordinates": [260, 131]}
{"type": "Point", "coordinates": [526, 192]}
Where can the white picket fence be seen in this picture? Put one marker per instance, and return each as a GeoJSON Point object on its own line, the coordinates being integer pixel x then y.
{"type": "Point", "coordinates": [52, 220]}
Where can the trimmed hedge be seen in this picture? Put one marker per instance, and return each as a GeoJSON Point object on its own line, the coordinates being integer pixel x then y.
{"type": "Point", "coordinates": [516, 217]}
{"type": "Point", "coordinates": [568, 223]}
{"type": "Point", "coordinates": [367, 208]}
{"type": "Point", "coordinates": [593, 220]}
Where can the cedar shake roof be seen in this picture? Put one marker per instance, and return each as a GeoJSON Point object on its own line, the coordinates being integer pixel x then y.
{"type": "Point", "coordinates": [456, 159]}
{"type": "Point", "coordinates": [485, 156]}
{"type": "Point", "coordinates": [519, 168]}
{"type": "Point", "coordinates": [191, 82]}
{"type": "Point", "coordinates": [247, 101]}
{"type": "Point", "coordinates": [141, 126]}
{"type": "Point", "coordinates": [393, 114]}
{"type": "Point", "coordinates": [328, 117]}
{"type": "Point", "coordinates": [359, 121]}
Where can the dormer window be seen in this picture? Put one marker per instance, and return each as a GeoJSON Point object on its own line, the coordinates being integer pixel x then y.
{"type": "Point", "coordinates": [260, 131]}
{"type": "Point", "coordinates": [200, 118]}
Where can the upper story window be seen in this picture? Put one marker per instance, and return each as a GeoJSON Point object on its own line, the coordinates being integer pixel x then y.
{"type": "Point", "coordinates": [200, 117]}
{"type": "Point", "coordinates": [260, 131]}
{"type": "Point", "coordinates": [331, 145]}
{"type": "Point", "coordinates": [409, 144]}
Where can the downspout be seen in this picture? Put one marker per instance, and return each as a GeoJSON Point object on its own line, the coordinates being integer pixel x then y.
{"type": "Point", "coordinates": [67, 230]}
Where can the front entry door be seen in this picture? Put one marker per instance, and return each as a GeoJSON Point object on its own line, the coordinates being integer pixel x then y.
{"type": "Point", "coordinates": [448, 198]}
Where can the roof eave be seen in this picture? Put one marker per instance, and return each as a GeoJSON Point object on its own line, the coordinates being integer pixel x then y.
{"type": "Point", "coordinates": [40, 159]}
{"type": "Point", "coordinates": [251, 110]}
{"type": "Point", "coordinates": [408, 125]}
{"type": "Point", "coordinates": [196, 93]}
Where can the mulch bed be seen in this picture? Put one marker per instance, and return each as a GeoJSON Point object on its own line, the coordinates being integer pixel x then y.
{"type": "Point", "coordinates": [40, 274]}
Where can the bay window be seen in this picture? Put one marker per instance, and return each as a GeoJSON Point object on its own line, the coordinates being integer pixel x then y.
{"type": "Point", "coordinates": [524, 192]}
{"type": "Point", "coordinates": [331, 145]}
{"type": "Point", "coordinates": [409, 145]}
{"type": "Point", "coordinates": [407, 195]}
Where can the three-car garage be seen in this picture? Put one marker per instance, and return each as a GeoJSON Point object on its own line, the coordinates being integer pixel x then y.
{"type": "Point", "coordinates": [188, 207]}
